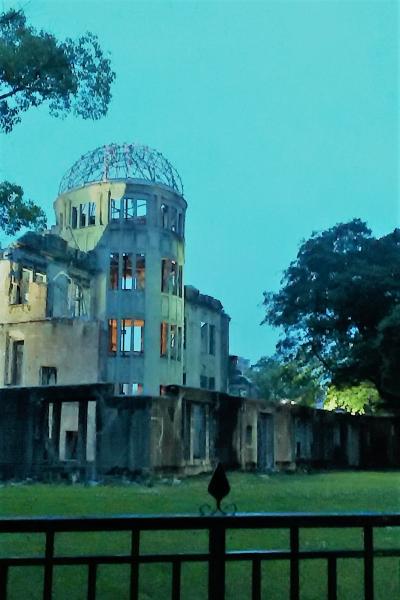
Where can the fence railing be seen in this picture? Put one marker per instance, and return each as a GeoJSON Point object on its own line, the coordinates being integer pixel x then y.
{"type": "Point", "coordinates": [216, 557]}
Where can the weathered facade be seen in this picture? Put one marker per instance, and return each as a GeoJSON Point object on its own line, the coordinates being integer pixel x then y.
{"type": "Point", "coordinates": [185, 431]}
{"type": "Point", "coordinates": [101, 297]}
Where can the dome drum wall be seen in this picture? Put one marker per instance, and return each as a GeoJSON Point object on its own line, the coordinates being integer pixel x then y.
{"type": "Point", "coordinates": [83, 214]}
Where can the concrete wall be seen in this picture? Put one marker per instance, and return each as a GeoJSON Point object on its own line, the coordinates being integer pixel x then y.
{"type": "Point", "coordinates": [87, 431]}
{"type": "Point", "coordinates": [206, 360]}
{"type": "Point", "coordinates": [69, 345]}
{"type": "Point", "coordinates": [32, 431]}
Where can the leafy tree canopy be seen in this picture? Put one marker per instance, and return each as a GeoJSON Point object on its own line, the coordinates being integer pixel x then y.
{"type": "Point", "coordinates": [356, 399]}
{"type": "Point", "coordinates": [339, 302]}
{"type": "Point", "coordinates": [35, 68]}
{"type": "Point", "coordinates": [17, 212]}
{"type": "Point", "coordinates": [277, 380]}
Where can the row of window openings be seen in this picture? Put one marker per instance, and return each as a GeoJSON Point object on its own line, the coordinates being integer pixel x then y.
{"type": "Point", "coordinates": [47, 375]}
{"type": "Point", "coordinates": [131, 209]}
{"type": "Point", "coordinates": [123, 275]}
{"type": "Point", "coordinates": [207, 383]}
{"type": "Point", "coordinates": [129, 389]}
{"type": "Point", "coordinates": [170, 341]}
{"type": "Point", "coordinates": [19, 285]}
{"type": "Point", "coordinates": [131, 336]}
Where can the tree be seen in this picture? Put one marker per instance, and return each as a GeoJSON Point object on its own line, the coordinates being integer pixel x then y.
{"type": "Point", "coordinates": [277, 380]}
{"type": "Point", "coordinates": [339, 302]}
{"type": "Point", "coordinates": [356, 399]}
{"type": "Point", "coordinates": [35, 68]}
{"type": "Point", "coordinates": [17, 212]}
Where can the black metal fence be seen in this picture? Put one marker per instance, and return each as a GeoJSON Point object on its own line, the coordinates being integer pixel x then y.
{"type": "Point", "coordinates": [216, 557]}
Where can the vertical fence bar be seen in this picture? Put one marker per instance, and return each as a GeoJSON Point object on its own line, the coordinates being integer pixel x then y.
{"type": "Point", "coordinates": [134, 578]}
{"type": "Point", "coordinates": [216, 568]}
{"type": "Point", "coordinates": [176, 580]}
{"type": "Point", "coordinates": [91, 584]}
{"type": "Point", "coordinates": [3, 580]}
{"type": "Point", "coordinates": [48, 567]}
{"type": "Point", "coordinates": [332, 578]}
{"type": "Point", "coordinates": [294, 563]}
{"type": "Point", "coordinates": [256, 579]}
{"type": "Point", "coordinates": [368, 563]}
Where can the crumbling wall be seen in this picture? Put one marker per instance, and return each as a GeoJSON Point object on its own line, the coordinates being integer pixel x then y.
{"type": "Point", "coordinates": [71, 346]}
{"type": "Point", "coordinates": [123, 435]}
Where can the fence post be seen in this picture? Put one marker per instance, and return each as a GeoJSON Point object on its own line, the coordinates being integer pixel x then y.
{"type": "Point", "coordinates": [216, 568]}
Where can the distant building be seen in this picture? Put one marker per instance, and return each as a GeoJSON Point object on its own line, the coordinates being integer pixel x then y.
{"type": "Point", "coordinates": [101, 297]}
{"type": "Point", "coordinates": [238, 383]}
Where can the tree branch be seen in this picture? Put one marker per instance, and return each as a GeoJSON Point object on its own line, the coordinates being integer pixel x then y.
{"type": "Point", "coordinates": [13, 92]}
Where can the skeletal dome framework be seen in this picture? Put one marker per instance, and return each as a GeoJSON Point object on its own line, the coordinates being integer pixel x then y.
{"type": "Point", "coordinates": [121, 161]}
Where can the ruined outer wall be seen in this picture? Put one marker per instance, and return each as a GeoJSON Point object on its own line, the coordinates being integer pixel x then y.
{"type": "Point", "coordinates": [199, 361]}
{"type": "Point", "coordinates": [36, 309]}
{"type": "Point", "coordinates": [70, 345]}
{"type": "Point", "coordinates": [123, 435]}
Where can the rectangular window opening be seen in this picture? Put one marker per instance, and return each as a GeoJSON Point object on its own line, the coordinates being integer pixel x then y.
{"type": "Point", "coordinates": [180, 281]}
{"type": "Point", "coordinates": [163, 338]}
{"type": "Point", "coordinates": [141, 210]}
{"type": "Point", "coordinates": [115, 209]}
{"type": "Point", "coordinates": [48, 375]}
{"type": "Point", "coordinates": [126, 335]}
{"type": "Point", "coordinates": [203, 382]}
{"type": "Point", "coordinates": [164, 216]}
{"type": "Point", "coordinates": [203, 337]}
{"type": "Point", "coordinates": [78, 301]}
{"type": "Point", "coordinates": [83, 215]}
{"type": "Point", "coordinates": [114, 262]}
{"type": "Point", "coordinates": [130, 389]}
{"type": "Point", "coordinates": [74, 217]}
{"type": "Point", "coordinates": [127, 276]}
{"type": "Point", "coordinates": [172, 342]}
{"type": "Point", "coordinates": [138, 335]}
{"type": "Point", "coordinates": [179, 344]}
{"type": "Point", "coordinates": [140, 275]}
{"type": "Point", "coordinates": [173, 219]}
{"type": "Point", "coordinates": [40, 277]}
{"type": "Point", "coordinates": [129, 208]}
{"type": "Point", "coordinates": [135, 209]}
{"type": "Point", "coordinates": [71, 445]}
{"type": "Point", "coordinates": [17, 362]}
{"type": "Point", "coordinates": [92, 213]}
{"type": "Point", "coordinates": [112, 336]}
{"type": "Point", "coordinates": [211, 339]}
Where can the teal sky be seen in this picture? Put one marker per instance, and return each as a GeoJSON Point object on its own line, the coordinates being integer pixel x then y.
{"type": "Point", "coordinates": [280, 116]}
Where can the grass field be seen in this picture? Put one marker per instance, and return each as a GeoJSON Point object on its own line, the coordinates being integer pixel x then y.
{"type": "Point", "coordinates": [328, 492]}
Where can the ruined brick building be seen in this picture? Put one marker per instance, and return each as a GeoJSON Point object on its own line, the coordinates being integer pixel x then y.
{"type": "Point", "coordinates": [101, 297]}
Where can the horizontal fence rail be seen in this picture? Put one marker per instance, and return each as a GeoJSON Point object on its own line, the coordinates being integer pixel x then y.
{"type": "Point", "coordinates": [216, 557]}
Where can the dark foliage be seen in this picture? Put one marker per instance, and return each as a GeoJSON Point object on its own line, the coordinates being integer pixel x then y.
{"type": "Point", "coordinates": [35, 68]}
{"type": "Point", "coordinates": [340, 302]}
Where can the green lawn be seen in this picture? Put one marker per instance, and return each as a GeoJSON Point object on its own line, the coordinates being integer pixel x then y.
{"type": "Point", "coordinates": [376, 491]}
